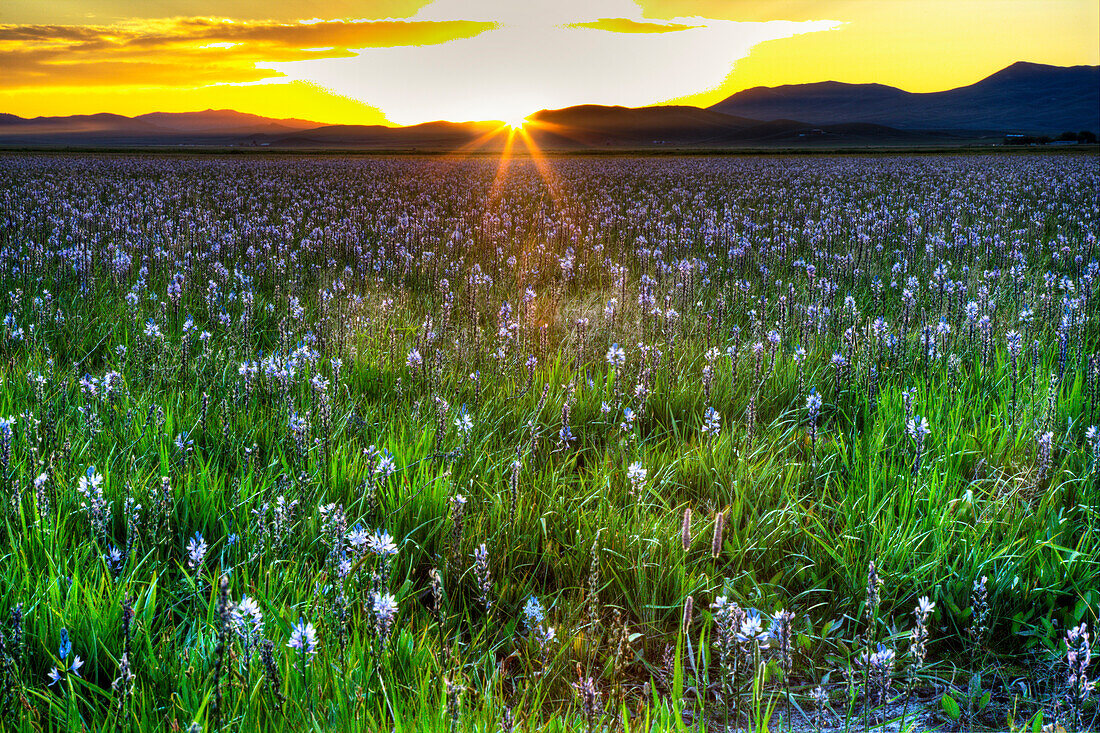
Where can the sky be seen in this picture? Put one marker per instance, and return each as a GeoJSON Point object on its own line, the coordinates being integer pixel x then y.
{"type": "Point", "coordinates": [411, 61]}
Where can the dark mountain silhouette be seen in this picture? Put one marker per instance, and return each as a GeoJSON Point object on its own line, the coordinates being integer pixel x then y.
{"type": "Point", "coordinates": [223, 120]}
{"type": "Point", "coordinates": [590, 127]}
{"type": "Point", "coordinates": [1024, 97]}
{"type": "Point", "coordinates": [598, 125]}
{"type": "Point", "coordinates": [1021, 98]}
{"type": "Point", "coordinates": [430, 135]}
{"type": "Point", "coordinates": [156, 128]}
{"type": "Point", "coordinates": [75, 125]}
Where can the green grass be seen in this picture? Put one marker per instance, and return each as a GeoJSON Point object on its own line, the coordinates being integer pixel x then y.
{"type": "Point", "coordinates": [803, 519]}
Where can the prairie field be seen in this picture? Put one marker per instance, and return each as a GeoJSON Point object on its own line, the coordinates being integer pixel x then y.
{"type": "Point", "coordinates": [549, 444]}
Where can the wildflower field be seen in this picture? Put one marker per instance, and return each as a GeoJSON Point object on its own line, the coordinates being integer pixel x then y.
{"type": "Point", "coordinates": [561, 444]}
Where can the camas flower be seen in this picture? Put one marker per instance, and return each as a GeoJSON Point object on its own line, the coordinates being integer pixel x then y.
{"type": "Point", "coordinates": [545, 636]}
{"type": "Point", "coordinates": [64, 648]}
{"type": "Point", "coordinates": [55, 674]}
{"type": "Point", "coordinates": [381, 543]}
{"type": "Point", "coordinates": [90, 483]}
{"type": "Point", "coordinates": [533, 613]}
{"type": "Point", "coordinates": [113, 557]}
{"type": "Point", "coordinates": [464, 422]}
{"type": "Point", "coordinates": [484, 577]}
{"type": "Point", "coordinates": [358, 537]}
{"type": "Point", "coordinates": [813, 404]}
{"type": "Point", "coordinates": [616, 357]}
{"type": "Point", "coordinates": [385, 610]}
{"type": "Point", "coordinates": [628, 419]}
{"type": "Point", "coordinates": [712, 422]}
{"type": "Point", "coordinates": [752, 629]}
{"type": "Point", "coordinates": [386, 464]}
{"type": "Point", "coordinates": [918, 428]}
{"type": "Point", "coordinates": [782, 633]}
{"type": "Point", "coordinates": [196, 551]}
{"type": "Point", "coordinates": [303, 637]}
{"type": "Point", "coordinates": [247, 617]}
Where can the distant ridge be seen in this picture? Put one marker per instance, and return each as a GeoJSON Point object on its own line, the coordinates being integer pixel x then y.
{"type": "Point", "coordinates": [221, 120]}
{"type": "Point", "coordinates": [75, 125]}
{"type": "Point", "coordinates": [222, 125]}
{"type": "Point", "coordinates": [1023, 97]}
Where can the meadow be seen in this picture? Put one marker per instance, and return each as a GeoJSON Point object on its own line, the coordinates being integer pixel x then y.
{"type": "Point", "coordinates": [569, 444]}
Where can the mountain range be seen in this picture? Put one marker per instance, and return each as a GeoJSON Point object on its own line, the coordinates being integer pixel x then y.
{"type": "Point", "coordinates": [155, 124]}
{"type": "Point", "coordinates": [1022, 98]}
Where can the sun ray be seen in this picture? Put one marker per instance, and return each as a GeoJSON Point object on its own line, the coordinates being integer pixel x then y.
{"type": "Point", "coordinates": [513, 131]}
{"type": "Point", "coordinates": [475, 145]}
{"type": "Point", "coordinates": [466, 151]}
{"type": "Point", "coordinates": [560, 130]}
{"type": "Point", "coordinates": [502, 171]}
{"type": "Point", "coordinates": [546, 171]}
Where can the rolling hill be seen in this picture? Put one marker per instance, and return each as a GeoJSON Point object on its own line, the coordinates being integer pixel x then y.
{"type": "Point", "coordinates": [1023, 97]}
{"type": "Point", "coordinates": [156, 128]}
{"type": "Point", "coordinates": [222, 121]}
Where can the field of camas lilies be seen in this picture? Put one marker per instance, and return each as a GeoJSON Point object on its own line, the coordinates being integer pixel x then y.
{"type": "Point", "coordinates": [569, 444]}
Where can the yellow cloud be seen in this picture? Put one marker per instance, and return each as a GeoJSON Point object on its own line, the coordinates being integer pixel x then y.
{"type": "Point", "coordinates": [192, 52]}
{"type": "Point", "coordinates": [271, 99]}
{"type": "Point", "coordinates": [543, 55]}
{"type": "Point", "coordinates": [626, 25]}
{"type": "Point", "coordinates": [477, 59]}
{"type": "Point", "coordinates": [917, 45]}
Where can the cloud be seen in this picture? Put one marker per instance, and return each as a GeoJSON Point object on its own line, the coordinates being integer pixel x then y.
{"type": "Point", "coordinates": [451, 59]}
{"type": "Point", "coordinates": [544, 55]}
{"type": "Point", "coordinates": [531, 13]}
{"type": "Point", "coordinates": [626, 25]}
{"type": "Point", "coordinates": [196, 51]}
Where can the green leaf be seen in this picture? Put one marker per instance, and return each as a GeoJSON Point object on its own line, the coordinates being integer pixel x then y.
{"type": "Point", "coordinates": [1037, 722]}
{"type": "Point", "coordinates": [974, 690]}
{"type": "Point", "coordinates": [678, 682]}
{"type": "Point", "coordinates": [950, 707]}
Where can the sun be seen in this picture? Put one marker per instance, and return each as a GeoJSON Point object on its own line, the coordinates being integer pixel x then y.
{"type": "Point", "coordinates": [516, 123]}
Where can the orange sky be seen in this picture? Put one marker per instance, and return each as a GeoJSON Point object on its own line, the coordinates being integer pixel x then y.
{"type": "Point", "coordinates": [406, 61]}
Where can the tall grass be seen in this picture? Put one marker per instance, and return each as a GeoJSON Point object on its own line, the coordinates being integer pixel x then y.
{"type": "Point", "coordinates": [326, 274]}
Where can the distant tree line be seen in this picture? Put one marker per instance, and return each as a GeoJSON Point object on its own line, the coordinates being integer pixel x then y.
{"type": "Point", "coordinates": [1084, 137]}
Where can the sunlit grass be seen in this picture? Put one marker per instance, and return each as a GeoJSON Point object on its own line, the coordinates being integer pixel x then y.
{"type": "Point", "coordinates": [803, 517]}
